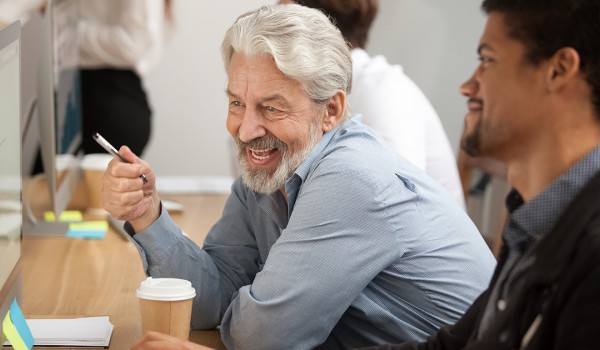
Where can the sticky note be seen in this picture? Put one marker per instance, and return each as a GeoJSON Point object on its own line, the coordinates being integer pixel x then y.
{"type": "Point", "coordinates": [15, 328]}
{"type": "Point", "coordinates": [88, 229]}
{"type": "Point", "coordinates": [65, 216]}
{"type": "Point", "coordinates": [18, 319]}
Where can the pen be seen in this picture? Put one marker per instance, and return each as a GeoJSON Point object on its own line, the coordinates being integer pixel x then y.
{"type": "Point", "coordinates": [110, 149]}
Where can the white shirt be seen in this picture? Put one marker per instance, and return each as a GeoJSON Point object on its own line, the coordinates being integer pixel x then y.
{"type": "Point", "coordinates": [121, 34]}
{"type": "Point", "coordinates": [394, 106]}
{"type": "Point", "coordinates": [126, 34]}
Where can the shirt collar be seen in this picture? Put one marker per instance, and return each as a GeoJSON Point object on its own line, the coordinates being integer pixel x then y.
{"type": "Point", "coordinates": [293, 184]}
{"type": "Point", "coordinates": [538, 216]}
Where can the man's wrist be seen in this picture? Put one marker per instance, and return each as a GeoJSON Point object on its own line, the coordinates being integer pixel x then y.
{"type": "Point", "coordinates": [146, 220]}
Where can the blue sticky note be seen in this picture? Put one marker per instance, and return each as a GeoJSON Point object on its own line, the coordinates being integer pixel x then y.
{"type": "Point", "coordinates": [18, 319]}
{"type": "Point", "coordinates": [96, 234]}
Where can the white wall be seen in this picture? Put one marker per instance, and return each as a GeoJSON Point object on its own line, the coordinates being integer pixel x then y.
{"type": "Point", "coordinates": [434, 40]}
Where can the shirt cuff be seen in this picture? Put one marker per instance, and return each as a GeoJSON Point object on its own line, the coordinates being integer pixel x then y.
{"type": "Point", "coordinates": [155, 242]}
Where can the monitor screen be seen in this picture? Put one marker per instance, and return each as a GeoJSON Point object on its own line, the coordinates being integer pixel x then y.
{"type": "Point", "coordinates": [59, 101]}
{"type": "Point", "coordinates": [10, 158]}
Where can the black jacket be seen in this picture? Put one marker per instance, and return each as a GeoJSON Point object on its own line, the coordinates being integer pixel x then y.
{"type": "Point", "coordinates": [558, 306]}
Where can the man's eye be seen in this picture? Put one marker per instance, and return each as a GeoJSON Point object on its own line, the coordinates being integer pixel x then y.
{"type": "Point", "coordinates": [270, 109]}
{"type": "Point", "coordinates": [236, 103]}
{"type": "Point", "coordinates": [484, 59]}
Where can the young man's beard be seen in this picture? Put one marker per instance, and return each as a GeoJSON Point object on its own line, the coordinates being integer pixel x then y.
{"type": "Point", "coordinates": [266, 180]}
{"type": "Point", "coordinates": [471, 143]}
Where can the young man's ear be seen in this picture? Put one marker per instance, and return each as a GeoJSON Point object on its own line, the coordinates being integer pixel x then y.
{"type": "Point", "coordinates": [335, 111]}
{"type": "Point", "coordinates": [564, 66]}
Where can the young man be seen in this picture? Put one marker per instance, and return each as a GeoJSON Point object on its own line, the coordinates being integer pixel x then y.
{"type": "Point", "coordinates": [534, 103]}
{"type": "Point", "coordinates": [329, 239]}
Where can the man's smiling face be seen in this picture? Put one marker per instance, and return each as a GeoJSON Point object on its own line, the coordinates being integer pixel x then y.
{"type": "Point", "coordinates": [272, 119]}
{"type": "Point", "coordinates": [504, 95]}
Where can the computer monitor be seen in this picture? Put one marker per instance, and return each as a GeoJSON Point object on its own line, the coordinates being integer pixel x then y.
{"type": "Point", "coordinates": [10, 170]}
{"type": "Point", "coordinates": [59, 107]}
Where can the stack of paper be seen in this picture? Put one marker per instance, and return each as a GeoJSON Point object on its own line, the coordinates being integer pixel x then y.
{"type": "Point", "coordinates": [74, 332]}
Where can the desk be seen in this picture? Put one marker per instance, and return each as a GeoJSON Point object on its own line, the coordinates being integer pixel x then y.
{"type": "Point", "coordinates": [64, 277]}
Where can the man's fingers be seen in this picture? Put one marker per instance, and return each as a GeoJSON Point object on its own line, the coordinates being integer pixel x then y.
{"type": "Point", "coordinates": [126, 153]}
{"type": "Point", "coordinates": [124, 170]}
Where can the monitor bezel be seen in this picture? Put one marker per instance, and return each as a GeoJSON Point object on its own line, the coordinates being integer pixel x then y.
{"type": "Point", "coordinates": [11, 287]}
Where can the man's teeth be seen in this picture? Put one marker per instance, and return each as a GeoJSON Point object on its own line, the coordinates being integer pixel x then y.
{"type": "Point", "coordinates": [261, 154]}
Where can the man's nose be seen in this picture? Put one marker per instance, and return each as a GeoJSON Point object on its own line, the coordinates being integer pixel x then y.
{"type": "Point", "coordinates": [252, 126]}
{"type": "Point", "coordinates": [470, 87]}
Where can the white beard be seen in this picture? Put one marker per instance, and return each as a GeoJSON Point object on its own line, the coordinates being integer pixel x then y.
{"type": "Point", "coordinates": [267, 181]}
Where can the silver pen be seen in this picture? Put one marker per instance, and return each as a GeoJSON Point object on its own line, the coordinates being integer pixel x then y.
{"type": "Point", "coordinates": [110, 149]}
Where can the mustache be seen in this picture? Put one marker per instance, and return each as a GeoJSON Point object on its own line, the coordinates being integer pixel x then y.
{"type": "Point", "coordinates": [262, 142]}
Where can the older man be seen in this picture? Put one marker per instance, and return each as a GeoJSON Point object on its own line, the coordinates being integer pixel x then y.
{"type": "Point", "coordinates": [534, 103]}
{"type": "Point", "coordinates": [329, 239]}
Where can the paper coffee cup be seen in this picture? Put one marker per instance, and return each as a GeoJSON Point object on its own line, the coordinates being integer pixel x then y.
{"type": "Point", "coordinates": [166, 306]}
{"type": "Point", "coordinates": [94, 165]}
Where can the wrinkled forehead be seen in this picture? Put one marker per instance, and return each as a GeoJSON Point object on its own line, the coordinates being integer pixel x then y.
{"type": "Point", "coordinates": [259, 76]}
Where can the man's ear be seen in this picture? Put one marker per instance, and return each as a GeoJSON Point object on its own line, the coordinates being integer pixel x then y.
{"type": "Point", "coordinates": [564, 66]}
{"type": "Point", "coordinates": [335, 111]}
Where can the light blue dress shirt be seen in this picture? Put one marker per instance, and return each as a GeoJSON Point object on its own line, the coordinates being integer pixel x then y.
{"type": "Point", "coordinates": [369, 250]}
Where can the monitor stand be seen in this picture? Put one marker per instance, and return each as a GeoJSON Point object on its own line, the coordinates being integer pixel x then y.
{"type": "Point", "coordinates": [45, 228]}
{"type": "Point", "coordinates": [34, 227]}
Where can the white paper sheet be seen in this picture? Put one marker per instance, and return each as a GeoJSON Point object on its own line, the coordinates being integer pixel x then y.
{"type": "Point", "coordinates": [71, 332]}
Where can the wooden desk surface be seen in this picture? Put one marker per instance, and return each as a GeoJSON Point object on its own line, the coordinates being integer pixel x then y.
{"type": "Point", "coordinates": [65, 277]}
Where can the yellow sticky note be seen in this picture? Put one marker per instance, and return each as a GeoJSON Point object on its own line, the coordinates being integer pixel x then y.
{"type": "Point", "coordinates": [67, 215]}
{"type": "Point", "coordinates": [12, 334]}
{"type": "Point", "coordinates": [89, 225]}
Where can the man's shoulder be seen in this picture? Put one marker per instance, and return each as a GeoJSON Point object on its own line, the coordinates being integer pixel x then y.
{"type": "Point", "coordinates": [356, 148]}
{"type": "Point", "coordinates": [356, 155]}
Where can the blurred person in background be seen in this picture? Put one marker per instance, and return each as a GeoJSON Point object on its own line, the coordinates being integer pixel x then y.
{"type": "Point", "coordinates": [119, 42]}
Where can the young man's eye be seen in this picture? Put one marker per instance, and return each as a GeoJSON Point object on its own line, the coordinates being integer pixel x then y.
{"type": "Point", "coordinates": [484, 59]}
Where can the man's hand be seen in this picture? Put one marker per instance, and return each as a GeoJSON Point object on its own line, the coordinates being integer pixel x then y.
{"type": "Point", "coordinates": [160, 341]}
{"type": "Point", "coordinates": [125, 195]}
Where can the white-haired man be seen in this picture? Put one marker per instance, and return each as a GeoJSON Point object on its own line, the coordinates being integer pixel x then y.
{"type": "Point", "coordinates": [329, 239]}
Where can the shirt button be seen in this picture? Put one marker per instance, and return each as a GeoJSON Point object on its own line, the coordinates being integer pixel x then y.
{"type": "Point", "coordinates": [501, 305]}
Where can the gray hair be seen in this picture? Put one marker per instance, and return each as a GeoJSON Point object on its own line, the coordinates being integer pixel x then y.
{"type": "Point", "coordinates": [303, 42]}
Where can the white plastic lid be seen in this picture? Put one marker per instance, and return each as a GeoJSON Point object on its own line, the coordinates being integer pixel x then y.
{"type": "Point", "coordinates": [96, 161]}
{"type": "Point", "coordinates": [167, 289]}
